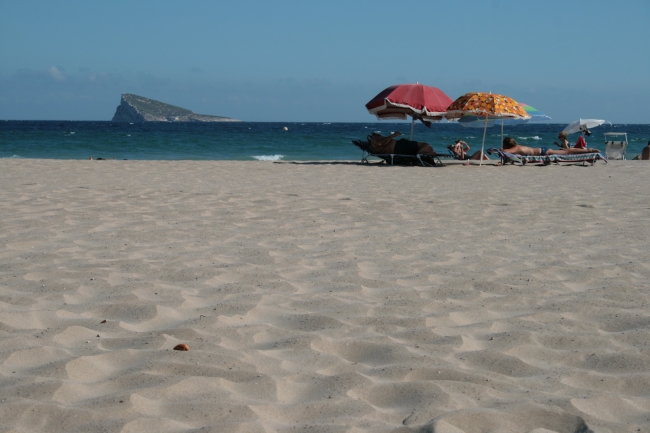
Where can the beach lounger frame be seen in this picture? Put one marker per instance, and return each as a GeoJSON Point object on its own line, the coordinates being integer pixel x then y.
{"type": "Point", "coordinates": [400, 159]}
{"type": "Point", "coordinates": [615, 145]}
{"type": "Point", "coordinates": [584, 158]}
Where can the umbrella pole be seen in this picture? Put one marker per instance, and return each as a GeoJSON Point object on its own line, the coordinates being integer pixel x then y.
{"type": "Point", "coordinates": [501, 130]}
{"type": "Point", "coordinates": [412, 125]}
{"type": "Point", "coordinates": [483, 144]}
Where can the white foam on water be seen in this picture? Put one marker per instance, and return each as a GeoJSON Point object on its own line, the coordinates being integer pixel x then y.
{"type": "Point", "coordinates": [535, 137]}
{"type": "Point", "coordinates": [14, 157]}
{"type": "Point", "coordinates": [269, 157]}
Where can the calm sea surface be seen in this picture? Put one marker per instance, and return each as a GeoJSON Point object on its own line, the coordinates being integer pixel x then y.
{"type": "Point", "coordinates": [260, 140]}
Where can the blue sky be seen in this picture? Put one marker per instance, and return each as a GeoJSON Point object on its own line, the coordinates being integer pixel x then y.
{"type": "Point", "coordinates": [321, 60]}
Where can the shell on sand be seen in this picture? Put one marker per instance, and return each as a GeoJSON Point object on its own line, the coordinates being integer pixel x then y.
{"type": "Point", "coordinates": [182, 346]}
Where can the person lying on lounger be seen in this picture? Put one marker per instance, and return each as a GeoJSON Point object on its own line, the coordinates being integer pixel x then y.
{"type": "Point", "coordinates": [460, 148]}
{"type": "Point", "coordinates": [511, 146]}
{"type": "Point", "coordinates": [388, 145]}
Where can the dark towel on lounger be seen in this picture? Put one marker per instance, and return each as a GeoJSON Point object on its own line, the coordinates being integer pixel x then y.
{"type": "Point", "coordinates": [406, 147]}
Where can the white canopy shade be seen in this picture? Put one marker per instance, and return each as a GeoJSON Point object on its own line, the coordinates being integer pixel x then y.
{"type": "Point", "coordinates": [582, 124]}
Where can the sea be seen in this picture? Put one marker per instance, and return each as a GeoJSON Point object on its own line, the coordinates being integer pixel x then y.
{"type": "Point", "coordinates": [264, 141]}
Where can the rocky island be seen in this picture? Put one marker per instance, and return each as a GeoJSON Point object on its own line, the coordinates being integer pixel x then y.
{"type": "Point", "coordinates": [134, 108]}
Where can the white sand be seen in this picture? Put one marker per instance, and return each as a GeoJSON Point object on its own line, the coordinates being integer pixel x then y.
{"type": "Point", "coordinates": [323, 297]}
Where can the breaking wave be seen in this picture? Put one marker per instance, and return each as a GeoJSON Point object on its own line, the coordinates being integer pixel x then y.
{"type": "Point", "coordinates": [269, 157]}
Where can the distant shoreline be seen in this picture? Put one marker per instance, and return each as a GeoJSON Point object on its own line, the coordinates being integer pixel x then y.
{"type": "Point", "coordinates": [287, 141]}
{"type": "Point", "coordinates": [383, 122]}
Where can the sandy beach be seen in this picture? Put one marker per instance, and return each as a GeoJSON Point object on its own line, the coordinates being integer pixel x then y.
{"type": "Point", "coordinates": [323, 297]}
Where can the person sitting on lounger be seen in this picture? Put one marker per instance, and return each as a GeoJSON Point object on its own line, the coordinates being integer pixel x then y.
{"type": "Point", "coordinates": [388, 145]}
{"type": "Point", "coordinates": [510, 145]}
{"type": "Point", "coordinates": [564, 143]}
{"type": "Point", "coordinates": [460, 148]}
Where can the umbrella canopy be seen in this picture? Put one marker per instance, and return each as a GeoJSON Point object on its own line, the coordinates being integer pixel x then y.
{"type": "Point", "coordinates": [478, 122]}
{"type": "Point", "coordinates": [426, 103]}
{"type": "Point", "coordinates": [535, 114]}
{"type": "Point", "coordinates": [489, 106]}
{"type": "Point", "coordinates": [582, 125]}
{"type": "Point", "coordinates": [535, 117]}
{"type": "Point", "coordinates": [401, 100]}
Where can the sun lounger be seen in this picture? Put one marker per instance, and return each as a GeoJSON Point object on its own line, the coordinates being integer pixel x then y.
{"type": "Point", "coordinates": [615, 145]}
{"type": "Point", "coordinates": [615, 149]}
{"type": "Point", "coordinates": [547, 159]}
{"type": "Point", "coordinates": [423, 159]}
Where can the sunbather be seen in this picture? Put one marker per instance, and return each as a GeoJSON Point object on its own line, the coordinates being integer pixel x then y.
{"type": "Point", "coordinates": [510, 145]}
{"type": "Point", "coordinates": [388, 145]}
{"type": "Point", "coordinates": [564, 143]}
{"type": "Point", "coordinates": [460, 148]}
{"type": "Point", "coordinates": [645, 153]}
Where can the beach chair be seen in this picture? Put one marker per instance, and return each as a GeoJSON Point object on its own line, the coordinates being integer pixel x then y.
{"type": "Point", "coordinates": [424, 159]}
{"type": "Point", "coordinates": [615, 145]}
{"type": "Point", "coordinates": [511, 158]}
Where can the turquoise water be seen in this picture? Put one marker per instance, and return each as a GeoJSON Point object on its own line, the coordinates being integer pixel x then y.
{"type": "Point", "coordinates": [259, 140]}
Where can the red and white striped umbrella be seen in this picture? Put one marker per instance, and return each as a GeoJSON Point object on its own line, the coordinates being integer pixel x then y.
{"type": "Point", "coordinates": [425, 103]}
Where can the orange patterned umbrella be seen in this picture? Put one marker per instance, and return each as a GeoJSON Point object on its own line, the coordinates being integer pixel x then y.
{"type": "Point", "coordinates": [488, 105]}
